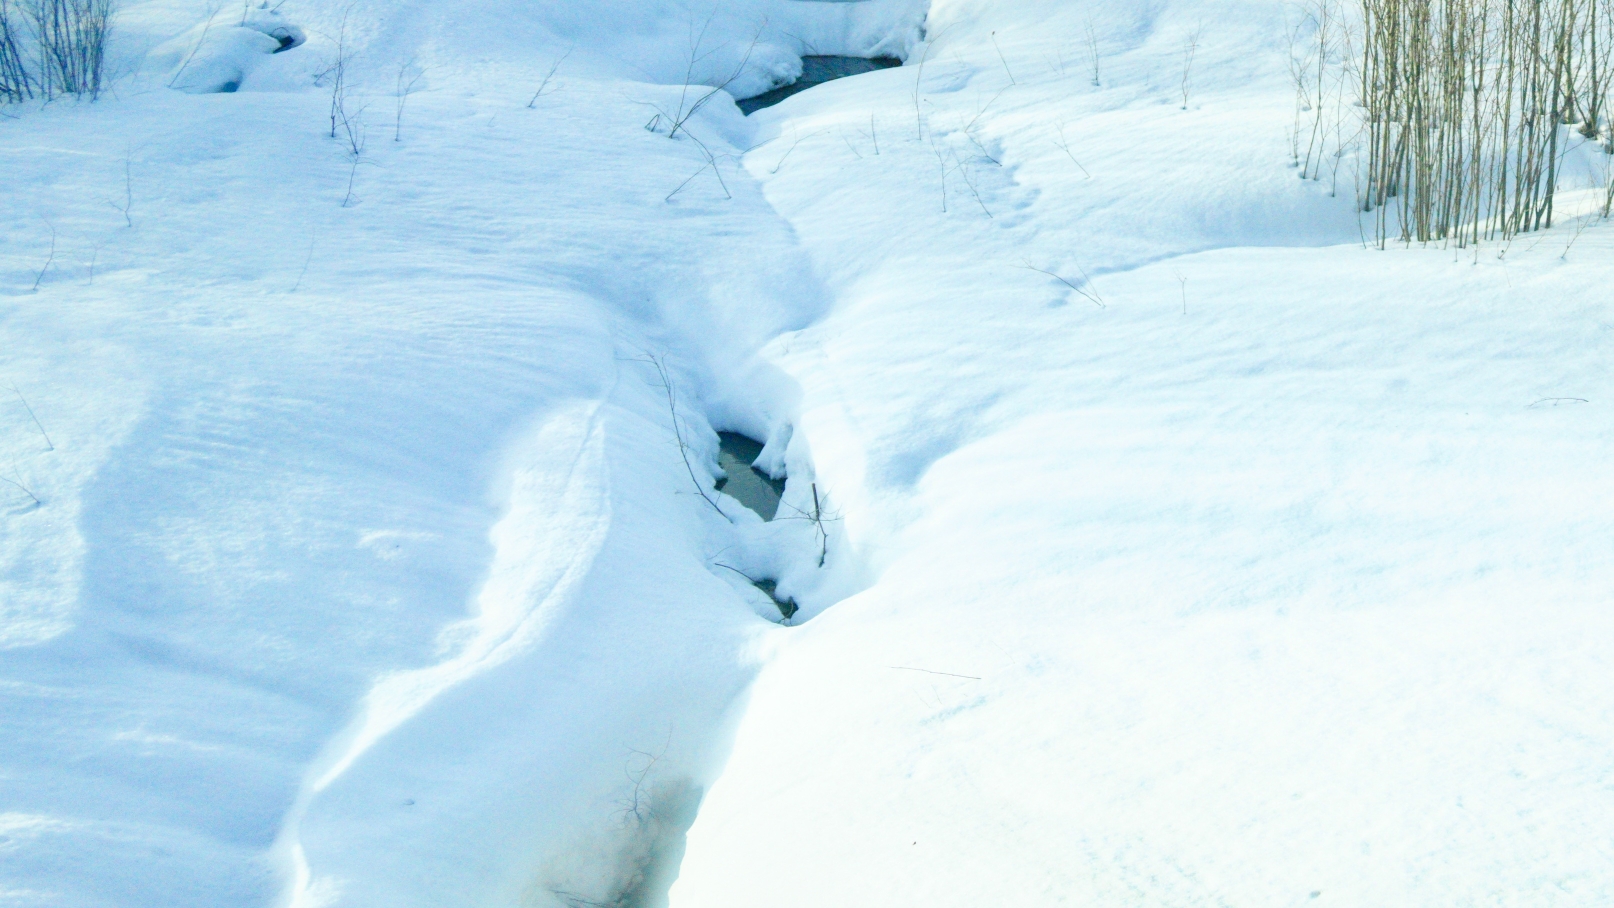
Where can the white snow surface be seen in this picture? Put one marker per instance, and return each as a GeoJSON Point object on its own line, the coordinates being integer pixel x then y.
{"type": "Point", "coordinates": [1178, 550]}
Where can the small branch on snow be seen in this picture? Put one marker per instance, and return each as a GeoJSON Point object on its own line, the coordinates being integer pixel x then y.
{"type": "Point", "coordinates": [404, 90]}
{"type": "Point", "coordinates": [309, 258]}
{"type": "Point", "coordinates": [781, 162]}
{"type": "Point", "coordinates": [905, 668]}
{"type": "Point", "coordinates": [18, 483]}
{"type": "Point", "coordinates": [1090, 296]}
{"type": "Point", "coordinates": [544, 85]}
{"type": "Point", "coordinates": [128, 191]}
{"type": "Point", "coordinates": [1003, 58]}
{"type": "Point", "coordinates": [1065, 146]}
{"type": "Point", "coordinates": [678, 430]}
{"type": "Point", "coordinates": [48, 259]}
{"type": "Point", "coordinates": [48, 442]}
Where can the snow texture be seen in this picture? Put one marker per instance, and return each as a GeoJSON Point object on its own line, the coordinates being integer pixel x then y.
{"type": "Point", "coordinates": [360, 544]}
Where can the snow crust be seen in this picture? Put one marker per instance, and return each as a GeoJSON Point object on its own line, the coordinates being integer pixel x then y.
{"type": "Point", "coordinates": [1174, 549]}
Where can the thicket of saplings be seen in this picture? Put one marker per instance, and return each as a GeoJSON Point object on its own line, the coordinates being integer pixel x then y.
{"type": "Point", "coordinates": [1469, 107]}
{"type": "Point", "coordinates": [50, 48]}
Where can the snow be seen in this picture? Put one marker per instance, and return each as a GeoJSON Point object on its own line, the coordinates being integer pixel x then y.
{"type": "Point", "coordinates": [1176, 549]}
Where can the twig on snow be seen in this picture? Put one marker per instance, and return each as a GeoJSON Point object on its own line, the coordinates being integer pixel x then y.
{"type": "Point", "coordinates": [906, 668]}
{"type": "Point", "coordinates": [18, 483]}
{"type": "Point", "coordinates": [1091, 296]}
{"type": "Point", "coordinates": [309, 258]}
{"type": "Point", "coordinates": [678, 430]}
{"type": "Point", "coordinates": [1065, 146]}
{"type": "Point", "coordinates": [1003, 58]}
{"type": "Point", "coordinates": [128, 191]}
{"type": "Point", "coordinates": [48, 259]}
{"type": "Point", "coordinates": [48, 442]}
{"type": "Point", "coordinates": [548, 76]}
{"type": "Point", "coordinates": [404, 90]}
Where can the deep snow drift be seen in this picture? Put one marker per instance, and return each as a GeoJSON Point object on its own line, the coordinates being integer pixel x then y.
{"type": "Point", "coordinates": [1170, 547]}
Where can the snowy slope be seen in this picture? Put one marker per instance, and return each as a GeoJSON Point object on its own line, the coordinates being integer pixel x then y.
{"type": "Point", "coordinates": [1181, 551]}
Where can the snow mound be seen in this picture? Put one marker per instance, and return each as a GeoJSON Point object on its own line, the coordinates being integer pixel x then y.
{"type": "Point", "coordinates": [212, 58]}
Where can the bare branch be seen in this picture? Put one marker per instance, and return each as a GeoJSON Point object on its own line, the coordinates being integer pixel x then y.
{"type": "Point", "coordinates": [50, 444]}
{"type": "Point", "coordinates": [1091, 296]}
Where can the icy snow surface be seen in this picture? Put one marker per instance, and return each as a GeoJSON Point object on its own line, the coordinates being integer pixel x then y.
{"type": "Point", "coordinates": [1176, 550]}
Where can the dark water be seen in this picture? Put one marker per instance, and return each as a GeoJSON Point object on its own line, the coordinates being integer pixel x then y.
{"type": "Point", "coordinates": [754, 489]}
{"type": "Point", "coordinates": [751, 487]}
{"type": "Point", "coordinates": [817, 71]}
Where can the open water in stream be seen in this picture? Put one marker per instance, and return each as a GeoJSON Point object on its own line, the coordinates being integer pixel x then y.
{"type": "Point", "coordinates": [816, 70]}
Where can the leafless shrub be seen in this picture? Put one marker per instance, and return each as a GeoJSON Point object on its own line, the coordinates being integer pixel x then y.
{"type": "Point", "coordinates": [336, 75]}
{"type": "Point", "coordinates": [688, 104]}
{"type": "Point", "coordinates": [1467, 106]}
{"type": "Point", "coordinates": [71, 36]}
{"type": "Point", "coordinates": [346, 120]}
{"type": "Point", "coordinates": [15, 83]}
{"type": "Point", "coordinates": [1318, 51]}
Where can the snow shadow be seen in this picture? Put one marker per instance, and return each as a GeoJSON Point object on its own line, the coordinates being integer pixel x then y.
{"type": "Point", "coordinates": [636, 866]}
{"type": "Point", "coordinates": [816, 70]}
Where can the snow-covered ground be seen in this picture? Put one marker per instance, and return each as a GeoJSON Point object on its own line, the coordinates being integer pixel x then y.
{"type": "Point", "coordinates": [1177, 551]}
